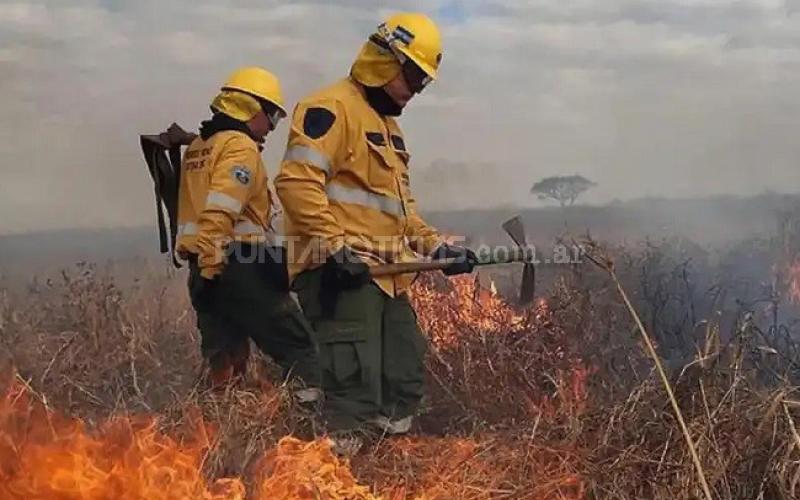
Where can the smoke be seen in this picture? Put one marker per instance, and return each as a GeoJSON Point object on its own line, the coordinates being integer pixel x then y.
{"type": "Point", "coordinates": [449, 185]}
{"type": "Point", "coordinates": [668, 98]}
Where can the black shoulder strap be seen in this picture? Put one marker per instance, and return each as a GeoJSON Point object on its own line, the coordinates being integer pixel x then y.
{"type": "Point", "coordinates": [154, 156]}
{"type": "Point", "coordinates": [172, 201]}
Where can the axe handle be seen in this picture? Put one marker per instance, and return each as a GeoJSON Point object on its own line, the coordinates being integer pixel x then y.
{"type": "Point", "coordinates": [408, 267]}
{"type": "Point", "coordinates": [437, 265]}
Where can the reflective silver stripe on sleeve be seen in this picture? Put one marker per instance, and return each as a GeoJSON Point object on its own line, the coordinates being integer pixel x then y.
{"type": "Point", "coordinates": [309, 155]}
{"type": "Point", "coordinates": [247, 227]}
{"type": "Point", "coordinates": [223, 200]}
{"type": "Point", "coordinates": [242, 227]}
{"type": "Point", "coordinates": [188, 229]}
{"type": "Point", "coordinates": [357, 196]}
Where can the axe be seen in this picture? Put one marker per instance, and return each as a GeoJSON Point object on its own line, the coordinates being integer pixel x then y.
{"type": "Point", "coordinates": [523, 254]}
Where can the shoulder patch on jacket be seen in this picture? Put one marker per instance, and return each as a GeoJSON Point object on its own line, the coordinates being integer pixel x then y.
{"type": "Point", "coordinates": [376, 138]}
{"type": "Point", "coordinates": [398, 143]}
{"type": "Point", "coordinates": [317, 122]}
{"type": "Point", "coordinates": [241, 174]}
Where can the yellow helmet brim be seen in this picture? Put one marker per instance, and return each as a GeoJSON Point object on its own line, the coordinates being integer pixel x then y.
{"type": "Point", "coordinates": [258, 83]}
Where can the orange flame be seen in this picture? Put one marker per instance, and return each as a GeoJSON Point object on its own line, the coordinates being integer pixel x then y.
{"type": "Point", "coordinates": [44, 456]}
{"type": "Point", "coordinates": [466, 308]}
{"type": "Point", "coordinates": [296, 469]}
{"type": "Point", "coordinates": [47, 456]}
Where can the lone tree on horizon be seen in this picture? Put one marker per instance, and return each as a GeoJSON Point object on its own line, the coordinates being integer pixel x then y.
{"type": "Point", "coordinates": [564, 190]}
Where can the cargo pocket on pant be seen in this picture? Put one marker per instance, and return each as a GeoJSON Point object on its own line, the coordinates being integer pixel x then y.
{"type": "Point", "coordinates": [405, 346]}
{"type": "Point", "coordinates": [342, 352]}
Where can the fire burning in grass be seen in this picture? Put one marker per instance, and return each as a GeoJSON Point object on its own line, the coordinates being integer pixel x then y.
{"type": "Point", "coordinates": [488, 354]}
{"type": "Point", "coordinates": [514, 408]}
{"type": "Point", "coordinates": [461, 307]}
{"type": "Point", "coordinates": [47, 456]}
{"type": "Point", "coordinates": [505, 362]}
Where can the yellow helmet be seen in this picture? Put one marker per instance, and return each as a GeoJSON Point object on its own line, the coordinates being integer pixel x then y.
{"type": "Point", "coordinates": [415, 36]}
{"type": "Point", "coordinates": [258, 83]}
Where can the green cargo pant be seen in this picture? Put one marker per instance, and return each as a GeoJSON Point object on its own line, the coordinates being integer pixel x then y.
{"type": "Point", "coordinates": [371, 353]}
{"type": "Point", "coordinates": [249, 304]}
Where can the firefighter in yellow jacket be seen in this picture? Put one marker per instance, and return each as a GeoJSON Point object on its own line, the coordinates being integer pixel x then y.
{"type": "Point", "coordinates": [238, 284]}
{"type": "Point", "coordinates": [344, 186]}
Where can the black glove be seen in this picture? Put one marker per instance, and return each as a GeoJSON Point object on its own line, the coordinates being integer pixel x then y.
{"type": "Point", "coordinates": [465, 263]}
{"type": "Point", "coordinates": [342, 271]}
{"type": "Point", "coordinates": [203, 292]}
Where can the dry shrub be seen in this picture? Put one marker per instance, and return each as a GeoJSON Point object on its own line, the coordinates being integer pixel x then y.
{"type": "Point", "coordinates": [555, 401]}
{"type": "Point", "coordinates": [496, 465]}
{"type": "Point", "coordinates": [742, 429]}
{"type": "Point", "coordinates": [96, 348]}
{"type": "Point", "coordinates": [494, 364]}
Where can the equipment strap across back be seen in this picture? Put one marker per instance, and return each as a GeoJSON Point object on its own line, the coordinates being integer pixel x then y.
{"type": "Point", "coordinates": [162, 153]}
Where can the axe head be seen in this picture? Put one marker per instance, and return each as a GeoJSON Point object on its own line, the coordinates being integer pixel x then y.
{"type": "Point", "coordinates": [516, 230]}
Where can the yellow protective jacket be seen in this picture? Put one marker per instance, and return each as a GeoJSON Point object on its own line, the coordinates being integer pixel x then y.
{"type": "Point", "coordinates": [223, 196]}
{"type": "Point", "coordinates": [349, 186]}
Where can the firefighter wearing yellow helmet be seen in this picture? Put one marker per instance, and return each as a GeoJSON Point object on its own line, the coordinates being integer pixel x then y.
{"type": "Point", "coordinates": [238, 285]}
{"type": "Point", "coordinates": [344, 186]}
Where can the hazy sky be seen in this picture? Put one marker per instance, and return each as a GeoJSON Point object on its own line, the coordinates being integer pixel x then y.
{"type": "Point", "coordinates": [649, 97]}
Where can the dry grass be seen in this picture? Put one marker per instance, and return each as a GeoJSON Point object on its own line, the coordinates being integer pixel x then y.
{"type": "Point", "coordinates": [556, 401]}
